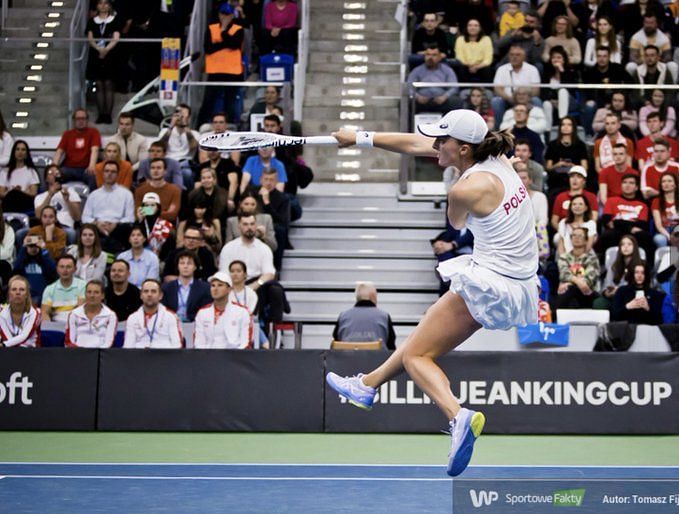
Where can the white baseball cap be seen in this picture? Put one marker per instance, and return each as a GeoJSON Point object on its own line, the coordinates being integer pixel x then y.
{"type": "Point", "coordinates": [151, 197]}
{"type": "Point", "coordinates": [578, 169]}
{"type": "Point", "coordinates": [222, 276]}
{"type": "Point", "coordinates": [461, 124]}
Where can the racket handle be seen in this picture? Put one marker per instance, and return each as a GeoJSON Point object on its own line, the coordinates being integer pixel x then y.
{"type": "Point", "coordinates": [320, 140]}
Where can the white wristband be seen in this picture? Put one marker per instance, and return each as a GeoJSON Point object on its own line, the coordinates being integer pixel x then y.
{"type": "Point", "coordinates": [364, 139]}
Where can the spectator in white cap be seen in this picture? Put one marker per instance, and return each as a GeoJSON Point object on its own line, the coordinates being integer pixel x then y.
{"type": "Point", "coordinates": [222, 324]}
{"type": "Point", "coordinates": [577, 180]}
{"type": "Point", "coordinates": [496, 287]}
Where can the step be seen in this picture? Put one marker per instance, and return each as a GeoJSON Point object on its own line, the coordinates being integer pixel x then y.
{"type": "Point", "coordinates": [319, 336]}
{"type": "Point", "coordinates": [370, 91]}
{"type": "Point", "coordinates": [334, 113]}
{"type": "Point", "coordinates": [325, 126]}
{"type": "Point", "coordinates": [367, 234]}
{"type": "Point", "coordinates": [375, 213]}
{"type": "Point", "coordinates": [53, 89]}
{"type": "Point", "coordinates": [332, 303]}
{"type": "Point", "coordinates": [35, 14]}
{"type": "Point", "coordinates": [350, 46]}
{"type": "Point", "coordinates": [370, 223]}
{"type": "Point", "coordinates": [349, 200]}
{"type": "Point", "coordinates": [381, 247]}
{"type": "Point", "coordinates": [44, 4]}
{"type": "Point", "coordinates": [370, 80]}
{"type": "Point", "coordinates": [298, 282]}
{"type": "Point", "coordinates": [348, 249]}
{"type": "Point", "coordinates": [328, 160]}
{"type": "Point", "coordinates": [319, 29]}
{"type": "Point", "coordinates": [382, 67]}
{"type": "Point", "coordinates": [349, 58]}
{"type": "Point", "coordinates": [368, 98]}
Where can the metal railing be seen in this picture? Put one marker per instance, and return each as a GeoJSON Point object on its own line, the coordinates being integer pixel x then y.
{"type": "Point", "coordinates": [77, 56]}
{"type": "Point", "coordinates": [404, 47]}
{"type": "Point", "coordinates": [300, 68]}
{"type": "Point", "coordinates": [194, 49]}
{"type": "Point", "coordinates": [407, 165]}
{"type": "Point", "coordinates": [3, 13]}
{"type": "Point", "coordinates": [286, 93]}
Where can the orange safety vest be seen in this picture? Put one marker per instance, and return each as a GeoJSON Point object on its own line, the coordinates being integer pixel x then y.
{"type": "Point", "coordinates": [226, 60]}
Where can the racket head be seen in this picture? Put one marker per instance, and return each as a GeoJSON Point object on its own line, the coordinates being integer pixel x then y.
{"type": "Point", "coordinates": [232, 141]}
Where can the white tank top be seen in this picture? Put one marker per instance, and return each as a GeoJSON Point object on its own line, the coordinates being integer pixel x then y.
{"type": "Point", "coordinates": [505, 240]}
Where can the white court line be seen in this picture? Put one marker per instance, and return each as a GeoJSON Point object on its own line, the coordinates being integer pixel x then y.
{"type": "Point", "coordinates": [280, 479]}
{"type": "Point", "coordinates": [332, 465]}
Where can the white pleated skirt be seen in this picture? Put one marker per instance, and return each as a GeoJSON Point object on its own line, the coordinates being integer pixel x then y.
{"type": "Point", "coordinates": [496, 301]}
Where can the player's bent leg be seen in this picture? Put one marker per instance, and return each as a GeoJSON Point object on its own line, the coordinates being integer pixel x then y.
{"type": "Point", "coordinates": [447, 324]}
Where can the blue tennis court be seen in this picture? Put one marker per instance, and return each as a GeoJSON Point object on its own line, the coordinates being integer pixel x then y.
{"type": "Point", "coordinates": [94, 487]}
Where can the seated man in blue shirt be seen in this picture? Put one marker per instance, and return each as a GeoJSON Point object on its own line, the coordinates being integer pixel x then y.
{"type": "Point", "coordinates": [255, 166]}
{"type": "Point", "coordinates": [436, 99]}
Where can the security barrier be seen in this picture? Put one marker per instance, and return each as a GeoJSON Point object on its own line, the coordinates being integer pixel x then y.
{"type": "Point", "coordinates": [231, 390]}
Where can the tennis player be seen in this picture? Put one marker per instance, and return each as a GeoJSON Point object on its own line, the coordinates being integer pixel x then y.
{"type": "Point", "coordinates": [496, 287]}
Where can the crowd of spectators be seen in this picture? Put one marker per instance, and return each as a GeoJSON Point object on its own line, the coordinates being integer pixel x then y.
{"type": "Point", "coordinates": [158, 233]}
{"type": "Point", "coordinates": [600, 164]}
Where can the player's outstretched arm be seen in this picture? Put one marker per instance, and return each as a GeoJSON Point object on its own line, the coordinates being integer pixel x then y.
{"type": "Point", "coordinates": [409, 144]}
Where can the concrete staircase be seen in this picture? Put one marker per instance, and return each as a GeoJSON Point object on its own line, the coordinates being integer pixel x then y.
{"type": "Point", "coordinates": [352, 80]}
{"type": "Point", "coordinates": [350, 233]}
{"type": "Point", "coordinates": [34, 87]}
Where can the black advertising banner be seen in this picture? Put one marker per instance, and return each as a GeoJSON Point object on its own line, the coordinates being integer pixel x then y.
{"type": "Point", "coordinates": [524, 393]}
{"type": "Point", "coordinates": [48, 388]}
{"type": "Point", "coordinates": [211, 390]}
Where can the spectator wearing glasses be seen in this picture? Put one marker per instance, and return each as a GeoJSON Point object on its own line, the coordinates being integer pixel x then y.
{"type": "Point", "coordinates": [112, 153]}
{"type": "Point", "coordinates": [193, 241]}
{"type": "Point", "coordinates": [79, 149]}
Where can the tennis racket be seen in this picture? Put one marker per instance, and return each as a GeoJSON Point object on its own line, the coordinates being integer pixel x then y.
{"type": "Point", "coordinates": [231, 141]}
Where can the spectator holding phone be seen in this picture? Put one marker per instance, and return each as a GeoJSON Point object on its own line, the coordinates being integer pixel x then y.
{"type": "Point", "coordinates": [637, 302]}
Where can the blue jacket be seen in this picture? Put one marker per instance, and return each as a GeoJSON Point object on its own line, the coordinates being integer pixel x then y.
{"type": "Point", "coordinates": [40, 270]}
{"type": "Point", "coordinates": [199, 297]}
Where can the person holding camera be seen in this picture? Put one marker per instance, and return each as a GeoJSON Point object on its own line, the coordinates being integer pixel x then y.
{"type": "Point", "coordinates": [65, 200]}
{"type": "Point", "coordinates": [35, 263]}
{"type": "Point", "coordinates": [182, 142]}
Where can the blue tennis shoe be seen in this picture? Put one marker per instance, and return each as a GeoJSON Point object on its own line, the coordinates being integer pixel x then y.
{"type": "Point", "coordinates": [353, 389]}
{"type": "Point", "coordinates": [465, 428]}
